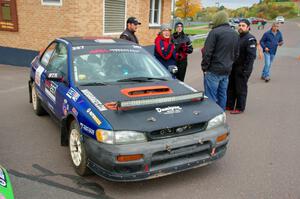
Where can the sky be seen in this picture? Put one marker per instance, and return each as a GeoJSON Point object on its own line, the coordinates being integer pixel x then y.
{"type": "Point", "coordinates": [229, 3]}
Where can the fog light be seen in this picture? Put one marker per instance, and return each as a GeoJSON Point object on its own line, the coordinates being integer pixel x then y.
{"type": "Point", "coordinates": [127, 158]}
{"type": "Point", "coordinates": [222, 137]}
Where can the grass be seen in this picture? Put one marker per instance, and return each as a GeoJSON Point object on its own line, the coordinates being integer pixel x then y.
{"type": "Point", "coordinates": [195, 31]}
{"type": "Point", "coordinates": [199, 43]}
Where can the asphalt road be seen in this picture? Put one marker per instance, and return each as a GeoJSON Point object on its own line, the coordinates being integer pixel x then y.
{"type": "Point", "coordinates": [262, 160]}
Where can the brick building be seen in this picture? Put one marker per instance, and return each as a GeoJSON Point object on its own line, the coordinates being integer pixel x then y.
{"type": "Point", "coordinates": [31, 24]}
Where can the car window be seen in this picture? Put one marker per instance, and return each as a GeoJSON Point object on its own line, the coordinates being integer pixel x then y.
{"type": "Point", "coordinates": [111, 64]}
{"type": "Point", "coordinates": [47, 54]}
{"type": "Point", "coordinates": [58, 61]}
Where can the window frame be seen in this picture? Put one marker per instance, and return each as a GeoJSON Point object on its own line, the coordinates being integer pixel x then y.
{"type": "Point", "coordinates": [152, 7]}
{"type": "Point", "coordinates": [51, 59]}
{"type": "Point", "coordinates": [9, 25]}
{"type": "Point", "coordinates": [51, 3]}
{"type": "Point", "coordinates": [103, 20]}
{"type": "Point", "coordinates": [41, 57]}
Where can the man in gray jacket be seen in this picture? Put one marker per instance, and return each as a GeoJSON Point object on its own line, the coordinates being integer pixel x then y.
{"type": "Point", "coordinates": [221, 49]}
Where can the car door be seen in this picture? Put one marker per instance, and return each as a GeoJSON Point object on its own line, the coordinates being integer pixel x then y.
{"type": "Point", "coordinates": [56, 90]}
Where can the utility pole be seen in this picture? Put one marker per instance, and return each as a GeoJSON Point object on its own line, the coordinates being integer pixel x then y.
{"type": "Point", "coordinates": [218, 4]}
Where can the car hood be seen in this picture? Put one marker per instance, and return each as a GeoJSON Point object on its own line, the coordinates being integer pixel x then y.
{"type": "Point", "coordinates": [152, 117]}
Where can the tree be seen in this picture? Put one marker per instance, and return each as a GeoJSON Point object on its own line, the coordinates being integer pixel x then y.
{"type": "Point", "coordinates": [187, 8]}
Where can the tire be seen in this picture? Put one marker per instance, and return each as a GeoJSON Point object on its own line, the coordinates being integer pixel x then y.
{"type": "Point", "coordinates": [77, 150]}
{"type": "Point", "coordinates": [36, 102]}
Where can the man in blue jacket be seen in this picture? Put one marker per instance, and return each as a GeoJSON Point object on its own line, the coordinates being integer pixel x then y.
{"type": "Point", "coordinates": [269, 43]}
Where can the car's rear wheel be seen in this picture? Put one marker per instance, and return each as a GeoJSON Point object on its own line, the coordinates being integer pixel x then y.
{"type": "Point", "coordinates": [77, 150]}
{"type": "Point", "coordinates": [36, 101]}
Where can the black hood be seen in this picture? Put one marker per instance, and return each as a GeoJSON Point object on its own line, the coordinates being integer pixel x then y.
{"type": "Point", "coordinates": [153, 117]}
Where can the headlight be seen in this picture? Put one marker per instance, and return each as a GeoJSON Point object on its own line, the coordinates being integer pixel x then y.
{"type": "Point", "coordinates": [120, 137]}
{"type": "Point", "coordinates": [216, 121]}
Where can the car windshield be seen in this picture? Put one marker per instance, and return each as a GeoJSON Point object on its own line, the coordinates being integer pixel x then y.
{"type": "Point", "coordinates": [94, 65]}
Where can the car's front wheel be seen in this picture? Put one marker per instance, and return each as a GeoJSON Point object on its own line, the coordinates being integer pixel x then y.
{"type": "Point", "coordinates": [77, 150]}
{"type": "Point", "coordinates": [36, 101]}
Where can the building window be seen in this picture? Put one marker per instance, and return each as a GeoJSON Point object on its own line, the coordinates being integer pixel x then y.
{"type": "Point", "coordinates": [8, 15]}
{"type": "Point", "coordinates": [114, 16]}
{"type": "Point", "coordinates": [155, 12]}
{"type": "Point", "coordinates": [52, 2]}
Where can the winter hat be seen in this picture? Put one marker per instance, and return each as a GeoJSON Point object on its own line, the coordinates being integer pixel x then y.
{"type": "Point", "coordinates": [165, 27]}
{"type": "Point", "coordinates": [178, 23]}
{"type": "Point", "coordinates": [219, 18]}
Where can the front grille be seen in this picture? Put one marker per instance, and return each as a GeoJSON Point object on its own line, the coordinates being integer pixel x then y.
{"type": "Point", "coordinates": [180, 154]}
{"type": "Point", "coordinates": [177, 131]}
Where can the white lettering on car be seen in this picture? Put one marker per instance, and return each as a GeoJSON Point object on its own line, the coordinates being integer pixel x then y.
{"type": "Point", "coordinates": [87, 129]}
{"type": "Point", "coordinates": [94, 100]}
{"type": "Point", "coordinates": [72, 94]}
{"type": "Point", "coordinates": [169, 110]}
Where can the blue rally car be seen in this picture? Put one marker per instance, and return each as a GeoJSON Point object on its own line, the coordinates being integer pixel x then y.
{"type": "Point", "coordinates": [121, 113]}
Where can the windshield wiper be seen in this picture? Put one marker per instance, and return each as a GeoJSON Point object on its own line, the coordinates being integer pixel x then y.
{"type": "Point", "coordinates": [94, 84]}
{"type": "Point", "coordinates": [141, 79]}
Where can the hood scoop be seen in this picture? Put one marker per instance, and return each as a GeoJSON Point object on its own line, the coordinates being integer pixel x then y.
{"type": "Point", "coordinates": [146, 91]}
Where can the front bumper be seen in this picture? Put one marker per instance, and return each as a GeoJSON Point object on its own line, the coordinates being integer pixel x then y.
{"type": "Point", "coordinates": [160, 157]}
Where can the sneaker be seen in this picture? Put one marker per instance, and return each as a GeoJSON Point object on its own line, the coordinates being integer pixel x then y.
{"type": "Point", "coordinates": [228, 109]}
{"type": "Point", "coordinates": [236, 112]}
{"type": "Point", "coordinates": [267, 79]}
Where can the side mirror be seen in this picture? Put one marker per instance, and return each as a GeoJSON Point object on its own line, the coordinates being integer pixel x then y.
{"type": "Point", "coordinates": [173, 69]}
{"type": "Point", "coordinates": [54, 76]}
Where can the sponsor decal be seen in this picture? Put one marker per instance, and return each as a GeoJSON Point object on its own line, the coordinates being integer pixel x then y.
{"type": "Point", "coordinates": [134, 46]}
{"type": "Point", "coordinates": [95, 118]}
{"type": "Point", "coordinates": [50, 107]}
{"type": "Point", "coordinates": [52, 75]}
{"type": "Point", "coordinates": [87, 129]}
{"type": "Point", "coordinates": [187, 86]}
{"type": "Point", "coordinates": [107, 41]}
{"type": "Point", "coordinates": [2, 183]}
{"type": "Point", "coordinates": [50, 90]}
{"type": "Point", "coordinates": [94, 100]}
{"type": "Point", "coordinates": [98, 51]}
{"type": "Point", "coordinates": [65, 107]}
{"type": "Point", "coordinates": [169, 110]}
{"type": "Point", "coordinates": [124, 50]}
{"type": "Point", "coordinates": [75, 111]}
{"type": "Point", "coordinates": [72, 94]}
{"type": "Point", "coordinates": [77, 47]}
{"type": "Point", "coordinates": [38, 73]}
{"type": "Point", "coordinates": [2, 178]}
{"type": "Point", "coordinates": [2, 174]}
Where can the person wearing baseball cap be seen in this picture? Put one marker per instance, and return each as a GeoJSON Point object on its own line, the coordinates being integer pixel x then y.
{"type": "Point", "coordinates": [241, 70]}
{"type": "Point", "coordinates": [129, 32]}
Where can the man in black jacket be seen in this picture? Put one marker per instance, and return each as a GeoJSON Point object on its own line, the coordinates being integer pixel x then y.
{"type": "Point", "coordinates": [221, 49]}
{"type": "Point", "coordinates": [241, 70]}
{"type": "Point", "coordinates": [128, 34]}
{"type": "Point", "coordinates": [183, 47]}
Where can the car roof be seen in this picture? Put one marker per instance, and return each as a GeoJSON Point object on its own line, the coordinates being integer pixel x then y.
{"type": "Point", "coordinates": [95, 41]}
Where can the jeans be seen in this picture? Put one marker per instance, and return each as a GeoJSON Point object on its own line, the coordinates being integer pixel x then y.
{"type": "Point", "coordinates": [268, 62]}
{"type": "Point", "coordinates": [215, 88]}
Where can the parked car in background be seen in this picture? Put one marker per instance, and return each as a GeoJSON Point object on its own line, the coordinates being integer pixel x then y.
{"type": "Point", "coordinates": [232, 24]}
{"type": "Point", "coordinates": [121, 113]}
{"type": "Point", "coordinates": [257, 20]}
{"type": "Point", "coordinates": [279, 19]}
